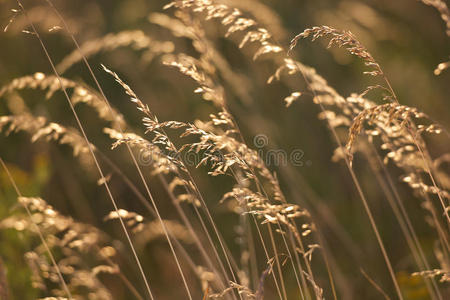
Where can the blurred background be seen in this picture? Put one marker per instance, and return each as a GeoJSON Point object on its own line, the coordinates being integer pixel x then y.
{"type": "Point", "coordinates": [406, 37]}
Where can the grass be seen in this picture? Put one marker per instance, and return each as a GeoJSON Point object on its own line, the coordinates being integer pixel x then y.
{"type": "Point", "coordinates": [186, 179]}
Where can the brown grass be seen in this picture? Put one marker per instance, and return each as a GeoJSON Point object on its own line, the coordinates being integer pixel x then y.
{"type": "Point", "coordinates": [283, 247]}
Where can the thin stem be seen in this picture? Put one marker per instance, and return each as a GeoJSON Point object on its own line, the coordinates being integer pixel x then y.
{"type": "Point", "coordinates": [252, 253]}
{"type": "Point", "coordinates": [402, 217]}
{"type": "Point", "coordinates": [38, 230]}
{"type": "Point", "coordinates": [121, 276]}
{"type": "Point", "coordinates": [44, 48]}
{"type": "Point", "coordinates": [361, 194]}
{"type": "Point", "coordinates": [375, 285]}
{"type": "Point", "coordinates": [283, 288]}
{"type": "Point", "coordinates": [412, 131]}
{"type": "Point", "coordinates": [128, 148]}
{"type": "Point", "coordinates": [151, 210]}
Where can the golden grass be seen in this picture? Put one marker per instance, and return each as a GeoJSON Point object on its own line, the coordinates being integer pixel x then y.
{"type": "Point", "coordinates": [283, 251]}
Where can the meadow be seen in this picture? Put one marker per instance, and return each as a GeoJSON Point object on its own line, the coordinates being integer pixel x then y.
{"type": "Point", "coordinates": [224, 149]}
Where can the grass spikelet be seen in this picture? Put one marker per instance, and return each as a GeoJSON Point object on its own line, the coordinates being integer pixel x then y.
{"type": "Point", "coordinates": [81, 93]}
{"type": "Point", "coordinates": [136, 39]}
{"type": "Point", "coordinates": [344, 39]}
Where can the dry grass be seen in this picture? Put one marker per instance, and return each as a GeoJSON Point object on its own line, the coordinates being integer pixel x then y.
{"type": "Point", "coordinates": [281, 246]}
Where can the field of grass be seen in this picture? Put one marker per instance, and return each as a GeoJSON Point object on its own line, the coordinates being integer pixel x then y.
{"type": "Point", "coordinates": [224, 149]}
